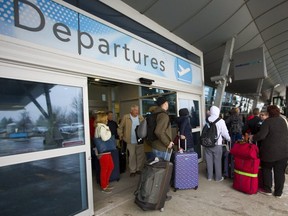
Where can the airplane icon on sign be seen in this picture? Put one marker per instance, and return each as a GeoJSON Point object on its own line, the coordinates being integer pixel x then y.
{"type": "Point", "coordinates": [183, 71]}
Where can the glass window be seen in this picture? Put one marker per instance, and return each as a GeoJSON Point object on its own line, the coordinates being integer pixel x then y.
{"type": "Point", "coordinates": [37, 116]}
{"type": "Point", "coordinates": [194, 112]}
{"type": "Point", "coordinates": [148, 100]}
{"type": "Point", "coordinates": [55, 186]}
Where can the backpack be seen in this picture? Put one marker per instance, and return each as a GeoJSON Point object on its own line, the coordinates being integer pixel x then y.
{"type": "Point", "coordinates": [147, 127]}
{"type": "Point", "coordinates": [209, 134]}
{"type": "Point", "coordinates": [235, 126]}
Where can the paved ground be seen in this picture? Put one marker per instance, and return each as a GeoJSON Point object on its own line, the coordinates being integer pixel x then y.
{"type": "Point", "coordinates": [211, 198]}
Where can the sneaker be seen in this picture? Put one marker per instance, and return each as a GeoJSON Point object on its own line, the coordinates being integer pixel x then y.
{"type": "Point", "coordinates": [278, 196]}
{"type": "Point", "coordinates": [262, 191]}
{"type": "Point", "coordinates": [107, 191]}
{"type": "Point", "coordinates": [220, 180]}
{"type": "Point", "coordinates": [209, 179]}
{"type": "Point", "coordinates": [110, 187]}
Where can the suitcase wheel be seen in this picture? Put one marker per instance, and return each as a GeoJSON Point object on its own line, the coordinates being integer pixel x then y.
{"type": "Point", "coordinates": [196, 188]}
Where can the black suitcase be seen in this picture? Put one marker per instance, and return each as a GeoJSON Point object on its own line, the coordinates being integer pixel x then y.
{"type": "Point", "coordinates": [154, 184]}
{"type": "Point", "coordinates": [227, 161]}
{"type": "Point", "coordinates": [122, 156]}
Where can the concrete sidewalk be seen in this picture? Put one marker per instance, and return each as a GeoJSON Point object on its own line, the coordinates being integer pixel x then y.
{"type": "Point", "coordinates": [211, 198]}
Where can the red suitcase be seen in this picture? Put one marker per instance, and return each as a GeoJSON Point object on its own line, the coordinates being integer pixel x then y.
{"type": "Point", "coordinates": [246, 175]}
{"type": "Point", "coordinates": [245, 150]}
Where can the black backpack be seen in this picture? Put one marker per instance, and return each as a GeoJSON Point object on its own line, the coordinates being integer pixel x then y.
{"type": "Point", "coordinates": [209, 134]}
{"type": "Point", "coordinates": [147, 127]}
{"type": "Point", "coordinates": [235, 125]}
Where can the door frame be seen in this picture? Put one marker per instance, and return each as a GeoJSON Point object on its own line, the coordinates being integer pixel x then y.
{"type": "Point", "coordinates": [191, 96]}
{"type": "Point", "coordinates": [46, 75]}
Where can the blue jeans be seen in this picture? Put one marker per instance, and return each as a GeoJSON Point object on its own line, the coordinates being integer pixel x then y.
{"type": "Point", "coordinates": [235, 137]}
{"type": "Point", "coordinates": [161, 154]}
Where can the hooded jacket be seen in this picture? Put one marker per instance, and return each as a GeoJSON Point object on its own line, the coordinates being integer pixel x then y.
{"type": "Point", "coordinates": [222, 130]}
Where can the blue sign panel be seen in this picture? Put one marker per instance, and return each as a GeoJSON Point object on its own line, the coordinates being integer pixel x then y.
{"type": "Point", "coordinates": [50, 24]}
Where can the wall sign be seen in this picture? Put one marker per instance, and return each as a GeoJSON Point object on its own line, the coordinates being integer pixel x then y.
{"type": "Point", "coordinates": [51, 24]}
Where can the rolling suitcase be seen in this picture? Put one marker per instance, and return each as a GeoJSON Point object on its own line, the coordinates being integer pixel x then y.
{"type": "Point", "coordinates": [185, 174]}
{"type": "Point", "coordinates": [154, 184]}
{"type": "Point", "coordinates": [227, 162]}
{"type": "Point", "coordinates": [115, 175]}
{"type": "Point", "coordinates": [246, 175]}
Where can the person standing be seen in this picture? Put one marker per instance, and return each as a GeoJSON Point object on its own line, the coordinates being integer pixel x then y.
{"type": "Point", "coordinates": [105, 159]}
{"type": "Point", "coordinates": [273, 135]}
{"type": "Point", "coordinates": [214, 154]}
{"type": "Point", "coordinates": [234, 124]}
{"type": "Point", "coordinates": [185, 130]}
{"type": "Point", "coordinates": [126, 131]}
{"type": "Point", "coordinates": [112, 124]}
{"type": "Point", "coordinates": [162, 131]}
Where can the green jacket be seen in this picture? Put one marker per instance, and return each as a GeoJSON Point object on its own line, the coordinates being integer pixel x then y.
{"type": "Point", "coordinates": [124, 129]}
{"type": "Point", "coordinates": [162, 131]}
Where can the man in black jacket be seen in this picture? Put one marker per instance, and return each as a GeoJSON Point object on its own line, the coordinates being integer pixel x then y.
{"type": "Point", "coordinates": [252, 125]}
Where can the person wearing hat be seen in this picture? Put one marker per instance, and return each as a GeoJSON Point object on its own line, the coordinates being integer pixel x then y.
{"type": "Point", "coordinates": [185, 130]}
{"type": "Point", "coordinates": [162, 131]}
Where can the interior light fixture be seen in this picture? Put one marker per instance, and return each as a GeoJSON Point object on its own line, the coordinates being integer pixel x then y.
{"type": "Point", "coordinates": [97, 79]}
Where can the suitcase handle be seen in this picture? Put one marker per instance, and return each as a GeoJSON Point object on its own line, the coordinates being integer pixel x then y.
{"type": "Point", "coordinates": [166, 153]}
{"type": "Point", "coordinates": [179, 143]}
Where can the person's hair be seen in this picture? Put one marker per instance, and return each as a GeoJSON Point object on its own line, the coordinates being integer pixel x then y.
{"type": "Point", "coordinates": [108, 112]}
{"type": "Point", "coordinates": [234, 111]}
{"type": "Point", "coordinates": [273, 111]}
{"type": "Point", "coordinates": [134, 107]}
{"type": "Point", "coordinates": [101, 118]}
{"type": "Point", "coordinates": [256, 111]}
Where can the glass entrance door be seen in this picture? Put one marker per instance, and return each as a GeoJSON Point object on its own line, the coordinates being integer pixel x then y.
{"type": "Point", "coordinates": [194, 106]}
{"type": "Point", "coordinates": [44, 143]}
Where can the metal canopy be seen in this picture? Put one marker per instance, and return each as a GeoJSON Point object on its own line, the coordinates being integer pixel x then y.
{"type": "Point", "coordinates": [208, 24]}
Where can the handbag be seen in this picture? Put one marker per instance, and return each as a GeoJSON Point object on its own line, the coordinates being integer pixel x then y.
{"type": "Point", "coordinates": [105, 146]}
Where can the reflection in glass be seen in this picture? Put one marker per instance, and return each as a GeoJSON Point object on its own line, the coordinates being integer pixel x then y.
{"type": "Point", "coordinates": [55, 186]}
{"type": "Point", "coordinates": [37, 116]}
{"type": "Point", "coordinates": [194, 111]}
{"type": "Point", "coordinates": [148, 100]}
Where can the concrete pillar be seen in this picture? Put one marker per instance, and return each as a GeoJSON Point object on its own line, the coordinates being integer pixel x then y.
{"type": "Point", "coordinates": [271, 96]}
{"type": "Point", "coordinates": [224, 72]}
{"type": "Point", "coordinates": [286, 103]}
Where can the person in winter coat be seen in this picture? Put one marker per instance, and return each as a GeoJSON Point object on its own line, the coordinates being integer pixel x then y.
{"type": "Point", "coordinates": [273, 135]}
{"type": "Point", "coordinates": [126, 132]}
{"type": "Point", "coordinates": [234, 124]}
{"type": "Point", "coordinates": [214, 154]}
{"type": "Point", "coordinates": [105, 159]}
{"type": "Point", "coordinates": [162, 131]}
{"type": "Point", "coordinates": [185, 130]}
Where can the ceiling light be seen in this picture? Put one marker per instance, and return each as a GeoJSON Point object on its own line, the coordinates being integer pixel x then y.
{"type": "Point", "coordinates": [97, 79]}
